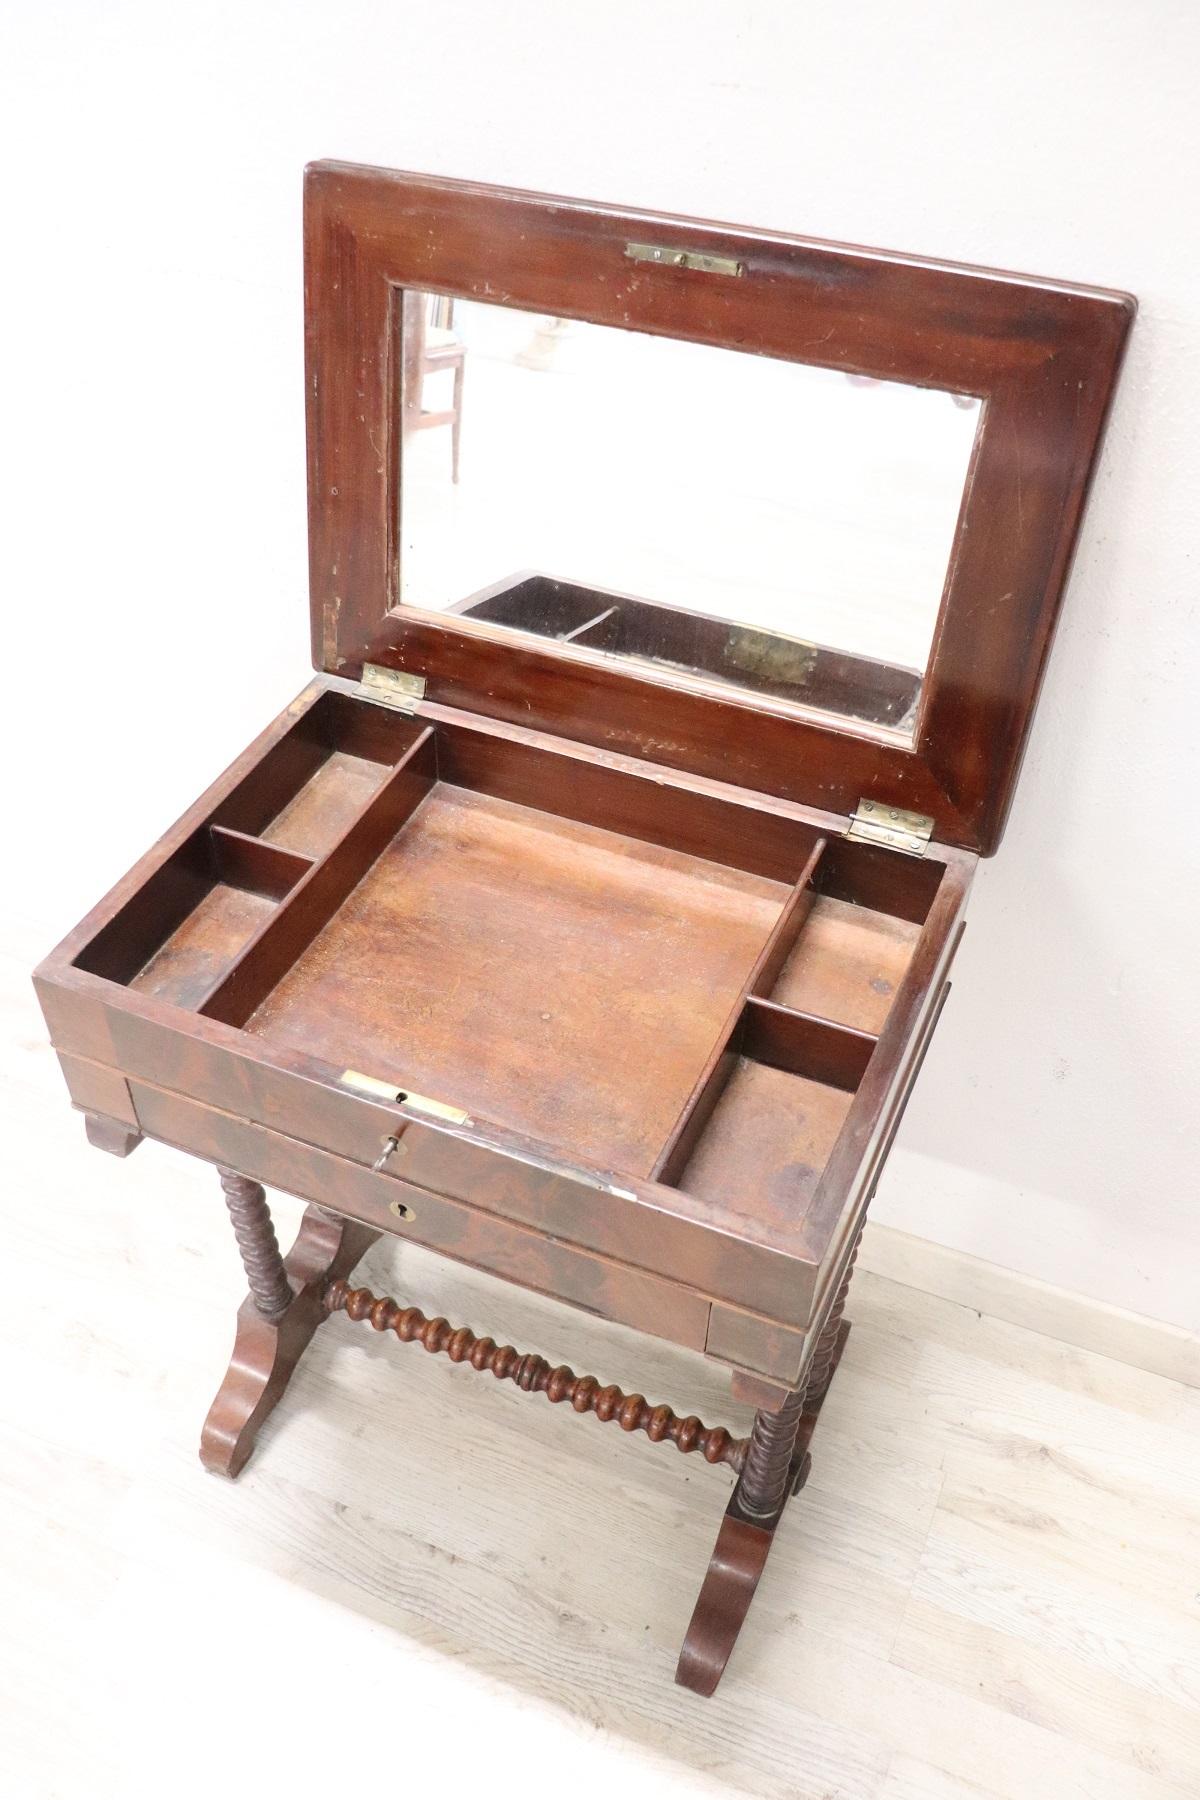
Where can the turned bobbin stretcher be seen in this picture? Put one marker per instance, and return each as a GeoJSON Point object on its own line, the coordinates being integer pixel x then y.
{"type": "Point", "coordinates": [589, 925]}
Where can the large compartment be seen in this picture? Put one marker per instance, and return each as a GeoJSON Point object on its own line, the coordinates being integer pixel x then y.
{"type": "Point", "coordinates": [534, 970]}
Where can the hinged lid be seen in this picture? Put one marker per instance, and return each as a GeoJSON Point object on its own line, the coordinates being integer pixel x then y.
{"type": "Point", "coordinates": [680, 436]}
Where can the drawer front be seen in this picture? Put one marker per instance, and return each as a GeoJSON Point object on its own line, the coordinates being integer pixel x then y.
{"type": "Point", "coordinates": [759, 1345]}
{"type": "Point", "coordinates": [600, 1285]}
{"type": "Point", "coordinates": [604, 1218]}
{"type": "Point", "coordinates": [95, 1089]}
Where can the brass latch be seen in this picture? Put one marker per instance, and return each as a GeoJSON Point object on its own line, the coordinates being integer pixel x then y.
{"type": "Point", "coordinates": [700, 260]}
{"type": "Point", "coordinates": [393, 687]}
{"type": "Point", "coordinates": [875, 822]}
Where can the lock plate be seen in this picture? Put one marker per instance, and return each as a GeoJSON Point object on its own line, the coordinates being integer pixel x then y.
{"type": "Point", "coordinates": [387, 1091]}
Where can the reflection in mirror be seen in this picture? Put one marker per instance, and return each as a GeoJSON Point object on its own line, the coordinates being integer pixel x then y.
{"type": "Point", "coordinates": [768, 524]}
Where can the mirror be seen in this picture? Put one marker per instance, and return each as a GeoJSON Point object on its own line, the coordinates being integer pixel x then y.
{"type": "Point", "coordinates": [741, 519]}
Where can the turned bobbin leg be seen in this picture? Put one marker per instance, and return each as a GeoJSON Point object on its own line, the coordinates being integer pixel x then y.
{"type": "Point", "coordinates": [775, 1467]}
{"type": "Point", "coordinates": [832, 1340]}
{"type": "Point", "coordinates": [278, 1316]}
{"type": "Point", "coordinates": [254, 1230]}
{"type": "Point", "coordinates": [765, 1473]}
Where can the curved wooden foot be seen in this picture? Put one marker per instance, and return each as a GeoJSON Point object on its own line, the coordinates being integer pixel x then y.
{"type": "Point", "coordinates": [265, 1352]}
{"type": "Point", "coordinates": [744, 1540]}
{"type": "Point", "coordinates": [738, 1560]}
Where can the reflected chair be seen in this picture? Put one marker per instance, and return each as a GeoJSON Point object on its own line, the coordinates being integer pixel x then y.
{"type": "Point", "coordinates": [431, 346]}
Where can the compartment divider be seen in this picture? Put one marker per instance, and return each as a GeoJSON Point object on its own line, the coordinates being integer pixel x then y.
{"type": "Point", "coordinates": [249, 862]}
{"type": "Point", "coordinates": [701, 1104]}
{"type": "Point", "coordinates": [698, 1108]}
{"type": "Point", "coordinates": [277, 778]}
{"type": "Point", "coordinates": [312, 902]}
{"type": "Point", "coordinates": [800, 1043]}
{"type": "Point", "coordinates": [788, 926]}
{"type": "Point", "coordinates": [868, 875]}
{"type": "Point", "coordinates": [580, 633]}
{"type": "Point", "coordinates": [548, 775]}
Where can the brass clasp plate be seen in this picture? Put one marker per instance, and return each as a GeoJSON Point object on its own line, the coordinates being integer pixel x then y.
{"type": "Point", "coordinates": [700, 260]}
{"type": "Point", "coordinates": [387, 1091]}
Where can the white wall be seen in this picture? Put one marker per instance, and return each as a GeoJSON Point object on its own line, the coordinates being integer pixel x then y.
{"type": "Point", "coordinates": [153, 434]}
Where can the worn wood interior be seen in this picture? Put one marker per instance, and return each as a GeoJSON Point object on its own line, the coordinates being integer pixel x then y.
{"type": "Point", "coordinates": [638, 977]}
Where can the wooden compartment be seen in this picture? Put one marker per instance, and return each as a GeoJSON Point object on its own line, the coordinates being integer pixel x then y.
{"type": "Point", "coordinates": [602, 963]}
{"type": "Point", "coordinates": [595, 892]}
{"type": "Point", "coordinates": [549, 975]}
{"type": "Point", "coordinates": [772, 1110]}
{"type": "Point", "coordinates": [181, 932]}
{"type": "Point", "coordinates": [314, 782]}
{"type": "Point", "coordinates": [766, 1144]}
{"type": "Point", "coordinates": [567, 950]}
{"type": "Point", "coordinates": [862, 926]}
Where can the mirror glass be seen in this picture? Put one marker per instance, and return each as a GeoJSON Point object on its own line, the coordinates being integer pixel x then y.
{"type": "Point", "coordinates": [782, 528]}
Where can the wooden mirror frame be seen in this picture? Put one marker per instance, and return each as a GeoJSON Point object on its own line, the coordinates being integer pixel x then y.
{"type": "Point", "coordinates": [1042, 357]}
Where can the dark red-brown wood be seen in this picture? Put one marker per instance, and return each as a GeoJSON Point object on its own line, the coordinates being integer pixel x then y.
{"type": "Point", "coordinates": [775, 1467]}
{"type": "Point", "coordinates": [535, 1375]}
{"type": "Point", "coordinates": [664, 1165]}
{"type": "Point", "coordinates": [267, 1349]}
{"type": "Point", "coordinates": [1042, 356]}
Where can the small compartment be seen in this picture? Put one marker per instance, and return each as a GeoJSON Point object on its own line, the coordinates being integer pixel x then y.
{"type": "Point", "coordinates": [318, 778]}
{"type": "Point", "coordinates": [766, 1142]}
{"type": "Point", "coordinates": [316, 817]}
{"type": "Point", "coordinates": [538, 603]}
{"type": "Point", "coordinates": [200, 950]}
{"type": "Point", "coordinates": [763, 1123]}
{"type": "Point", "coordinates": [858, 936]}
{"type": "Point", "coordinates": [184, 929]}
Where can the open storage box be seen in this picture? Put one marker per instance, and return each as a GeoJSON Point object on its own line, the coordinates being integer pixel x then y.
{"type": "Point", "coordinates": [591, 941]}
{"type": "Point", "coordinates": [637, 978]}
{"type": "Point", "coordinates": [670, 992]}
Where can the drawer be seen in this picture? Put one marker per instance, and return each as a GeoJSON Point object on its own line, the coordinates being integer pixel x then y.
{"type": "Point", "coordinates": [596, 1284]}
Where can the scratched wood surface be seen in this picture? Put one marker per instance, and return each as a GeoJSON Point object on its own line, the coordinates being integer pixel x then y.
{"type": "Point", "coordinates": [560, 980]}
{"type": "Point", "coordinates": [987, 1591]}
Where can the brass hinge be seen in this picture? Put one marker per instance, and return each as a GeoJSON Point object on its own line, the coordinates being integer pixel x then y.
{"type": "Point", "coordinates": [700, 260]}
{"type": "Point", "coordinates": [875, 822]}
{"type": "Point", "coordinates": [374, 1089]}
{"type": "Point", "coordinates": [393, 687]}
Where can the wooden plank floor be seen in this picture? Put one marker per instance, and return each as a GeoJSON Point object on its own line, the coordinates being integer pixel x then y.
{"type": "Point", "coordinates": [426, 1582]}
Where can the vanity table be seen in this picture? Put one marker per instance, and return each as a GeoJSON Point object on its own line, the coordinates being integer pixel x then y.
{"type": "Point", "coordinates": [589, 915]}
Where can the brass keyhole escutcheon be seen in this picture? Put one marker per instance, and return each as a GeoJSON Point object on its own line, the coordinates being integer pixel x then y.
{"type": "Point", "coordinates": [401, 1211]}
